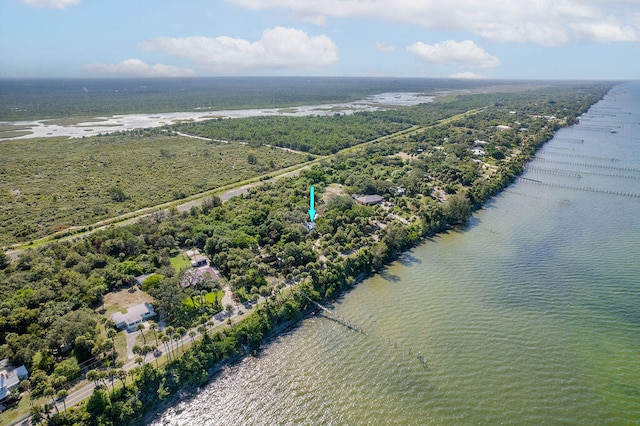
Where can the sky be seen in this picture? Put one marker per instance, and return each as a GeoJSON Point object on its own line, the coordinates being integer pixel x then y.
{"type": "Point", "coordinates": [495, 39]}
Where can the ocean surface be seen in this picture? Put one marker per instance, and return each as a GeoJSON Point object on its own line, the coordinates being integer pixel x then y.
{"type": "Point", "coordinates": [528, 316]}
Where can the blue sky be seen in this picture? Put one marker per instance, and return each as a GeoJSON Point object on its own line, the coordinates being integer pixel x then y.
{"type": "Point", "coordinates": [512, 39]}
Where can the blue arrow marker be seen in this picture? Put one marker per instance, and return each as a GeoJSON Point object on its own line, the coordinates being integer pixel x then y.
{"type": "Point", "coordinates": [312, 210]}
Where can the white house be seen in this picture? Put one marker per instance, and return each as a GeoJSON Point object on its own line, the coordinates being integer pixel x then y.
{"type": "Point", "coordinates": [196, 258]}
{"type": "Point", "coordinates": [199, 260]}
{"type": "Point", "coordinates": [135, 315]}
{"type": "Point", "coordinates": [10, 377]}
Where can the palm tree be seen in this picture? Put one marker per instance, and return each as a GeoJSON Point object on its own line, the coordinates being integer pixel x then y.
{"type": "Point", "coordinates": [140, 328]}
{"type": "Point", "coordinates": [152, 349]}
{"type": "Point", "coordinates": [63, 394]}
{"type": "Point", "coordinates": [25, 386]}
{"type": "Point", "coordinates": [122, 376]}
{"type": "Point", "coordinates": [36, 412]}
{"type": "Point", "coordinates": [182, 331]}
{"type": "Point", "coordinates": [176, 337]}
{"type": "Point", "coordinates": [166, 339]}
{"type": "Point", "coordinates": [93, 376]}
{"type": "Point", "coordinates": [49, 391]}
{"type": "Point", "coordinates": [170, 331]}
{"type": "Point", "coordinates": [112, 378]}
{"type": "Point", "coordinates": [192, 334]}
{"type": "Point", "coordinates": [153, 326]}
{"type": "Point", "coordinates": [137, 349]}
{"type": "Point", "coordinates": [111, 334]}
{"type": "Point", "coordinates": [203, 295]}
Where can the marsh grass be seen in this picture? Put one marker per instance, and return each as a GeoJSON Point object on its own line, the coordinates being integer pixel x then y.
{"type": "Point", "coordinates": [11, 131]}
{"type": "Point", "coordinates": [48, 185]}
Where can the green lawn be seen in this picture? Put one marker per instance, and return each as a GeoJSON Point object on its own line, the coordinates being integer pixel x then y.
{"type": "Point", "coordinates": [179, 261]}
{"type": "Point", "coordinates": [209, 298]}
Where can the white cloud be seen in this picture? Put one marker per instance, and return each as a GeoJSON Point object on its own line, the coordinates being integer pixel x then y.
{"type": "Point", "coordinates": [466, 75]}
{"type": "Point", "coordinates": [384, 47]}
{"type": "Point", "coordinates": [606, 32]}
{"type": "Point", "coordinates": [465, 54]}
{"type": "Point", "coordinates": [279, 48]}
{"type": "Point", "coordinates": [56, 4]}
{"type": "Point", "coordinates": [135, 68]}
{"type": "Point", "coordinates": [544, 22]}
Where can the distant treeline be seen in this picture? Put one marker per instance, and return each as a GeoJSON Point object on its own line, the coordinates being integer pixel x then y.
{"type": "Point", "coordinates": [327, 135]}
{"type": "Point", "coordinates": [22, 99]}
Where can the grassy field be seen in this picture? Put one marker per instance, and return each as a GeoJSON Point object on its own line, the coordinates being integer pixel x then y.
{"type": "Point", "coordinates": [47, 185]}
{"type": "Point", "coordinates": [179, 261]}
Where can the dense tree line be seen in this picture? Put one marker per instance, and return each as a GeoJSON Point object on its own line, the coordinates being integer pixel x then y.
{"type": "Point", "coordinates": [38, 99]}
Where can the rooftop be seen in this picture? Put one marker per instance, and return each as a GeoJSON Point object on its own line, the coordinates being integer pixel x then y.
{"type": "Point", "coordinates": [369, 199]}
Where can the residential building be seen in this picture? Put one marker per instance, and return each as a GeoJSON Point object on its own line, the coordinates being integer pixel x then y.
{"type": "Point", "coordinates": [134, 316]}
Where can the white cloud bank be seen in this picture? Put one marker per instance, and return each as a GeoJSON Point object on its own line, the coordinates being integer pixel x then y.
{"type": "Point", "coordinates": [463, 54]}
{"type": "Point", "coordinates": [279, 48]}
{"type": "Point", "coordinates": [56, 4]}
{"type": "Point", "coordinates": [544, 22]}
{"type": "Point", "coordinates": [135, 68]}
{"type": "Point", "coordinates": [466, 75]}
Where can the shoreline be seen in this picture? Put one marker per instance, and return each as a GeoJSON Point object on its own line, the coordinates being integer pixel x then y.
{"type": "Point", "coordinates": [348, 276]}
{"type": "Point", "coordinates": [345, 289]}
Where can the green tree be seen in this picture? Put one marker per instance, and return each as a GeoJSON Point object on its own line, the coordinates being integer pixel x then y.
{"type": "Point", "coordinates": [63, 394]}
{"type": "Point", "coordinates": [50, 393]}
{"type": "Point", "coordinates": [117, 194]}
{"type": "Point", "coordinates": [5, 260]}
{"type": "Point", "coordinates": [140, 328]}
{"type": "Point", "coordinates": [457, 209]}
{"type": "Point", "coordinates": [97, 403]}
{"type": "Point", "coordinates": [111, 334]}
{"type": "Point", "coordinates": [69, 368]}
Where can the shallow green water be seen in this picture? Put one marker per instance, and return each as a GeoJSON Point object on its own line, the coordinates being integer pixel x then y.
{"type": "Point", "coordinates": [530, 315]}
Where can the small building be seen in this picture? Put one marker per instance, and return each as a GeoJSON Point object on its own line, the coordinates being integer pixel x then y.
{"type": "Point", "coordinates": [368, 200]}
{"type": "Point", "coordinates": [135, 315]}
{"type": "Point", "coordinates": [142, 278]}
{"type": "Point", "coordinates": [10, 377]}
{"type": "Point", "coordinates": [199, 260]}
{"type": "Point", "coordinates": [196, 258]}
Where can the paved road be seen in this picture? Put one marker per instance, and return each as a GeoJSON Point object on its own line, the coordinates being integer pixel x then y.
{"type": "Point", "coordinates": [186, 206]}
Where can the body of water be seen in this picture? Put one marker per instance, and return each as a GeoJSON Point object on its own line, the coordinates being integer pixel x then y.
{"type": "Point", "coordinates": [529, 315]}
{"type": "Point", "coordinates": [116, 123]}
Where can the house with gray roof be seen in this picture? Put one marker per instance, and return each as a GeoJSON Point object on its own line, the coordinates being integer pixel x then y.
{"type": "Point", "coordinates": [135, 315]}
{"type": "Point", "coordinates": [369, 200]}
{"type": "Point", "coordinates": [10, 377]}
